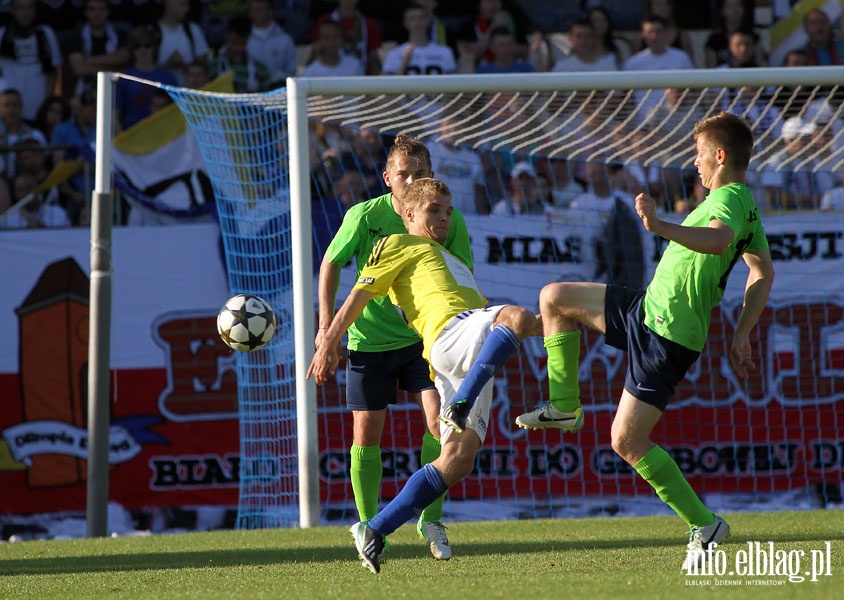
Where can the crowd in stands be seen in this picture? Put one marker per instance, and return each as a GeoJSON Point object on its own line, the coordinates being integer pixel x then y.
{"type": "Point", "coordinates": [48, 65]}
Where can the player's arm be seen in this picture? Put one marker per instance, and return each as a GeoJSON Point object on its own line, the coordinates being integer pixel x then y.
{"type": "Point", "coordinates": [328, 284]}
{"type": "Point", "coordinates": [713, 239]}
{"type": "Point", "coordinates": [756, 292]}
{"type": "Point", "coordinates": [327, 355]}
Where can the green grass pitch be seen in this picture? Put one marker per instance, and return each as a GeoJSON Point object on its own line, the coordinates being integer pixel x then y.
{"type": "Point", "coordinates": [589, 559]}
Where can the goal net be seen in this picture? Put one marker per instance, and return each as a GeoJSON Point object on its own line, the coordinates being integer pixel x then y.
{"type": "Point", "coordinates": [544, 168]}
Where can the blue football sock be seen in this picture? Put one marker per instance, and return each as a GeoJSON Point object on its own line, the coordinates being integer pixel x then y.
{"type": "Point", "coordinates": [494, 354]}
{"type": "Point", "coordinates": [423, 487]}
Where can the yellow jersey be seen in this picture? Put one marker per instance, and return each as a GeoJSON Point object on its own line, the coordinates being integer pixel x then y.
{"type": "Point", "coordinates": [424, 281]}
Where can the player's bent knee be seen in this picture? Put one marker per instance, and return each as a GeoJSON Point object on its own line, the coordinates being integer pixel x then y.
{"type": "Point", "coordinates": [521, 321]}
{"type": "Point", "coordinates": [553, 296]}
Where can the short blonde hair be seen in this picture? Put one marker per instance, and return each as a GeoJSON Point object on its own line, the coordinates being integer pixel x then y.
{"type": "Point", "coordinates": [415, 194]}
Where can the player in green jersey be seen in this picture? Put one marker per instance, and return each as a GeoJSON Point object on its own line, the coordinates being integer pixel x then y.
{"type": "Point", "coordinates": [383, 353]}
{"type": "Point", "coordinates": [465, 342]}
{"type": "Point", "coordinates": [663, 328]}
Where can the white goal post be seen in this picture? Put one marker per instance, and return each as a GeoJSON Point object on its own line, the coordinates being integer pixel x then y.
{"type": "Point", "coordinates": [301, 101]}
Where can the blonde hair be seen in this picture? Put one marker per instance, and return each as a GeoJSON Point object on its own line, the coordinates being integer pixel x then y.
{"type": "Point", "coordinates": [415, 194]}
{"type": "Point", "coordinates": [407, 146]}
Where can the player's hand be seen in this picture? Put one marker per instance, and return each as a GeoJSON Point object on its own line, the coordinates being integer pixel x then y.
{"type": "Point", "coordinates": [646, 209]}
{"type": "Point", "coordinates": [740, 356]}
{"type": "Point", "coordinates": [324, 364]}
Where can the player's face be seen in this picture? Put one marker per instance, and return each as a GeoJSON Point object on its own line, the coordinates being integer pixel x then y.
{"type": "Point", "coordinates": [706, 161]}
{"type": "Point", "coordinates": [433, 219]}
{"type": "Point", "coordinates": [403, 170]}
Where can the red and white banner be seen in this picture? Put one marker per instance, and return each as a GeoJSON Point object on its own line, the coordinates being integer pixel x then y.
{"type": "Point", "coordinates": [174, 431]}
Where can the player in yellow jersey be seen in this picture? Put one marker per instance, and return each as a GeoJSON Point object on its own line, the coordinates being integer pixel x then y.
{"type": "Point", "coordinates": [465, 343]}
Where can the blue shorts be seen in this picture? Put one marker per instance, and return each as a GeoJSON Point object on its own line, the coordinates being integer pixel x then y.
{"type": "Point", "coordinates": [655, 365]}
{"type": "Point", "coordinates": [373, 378]}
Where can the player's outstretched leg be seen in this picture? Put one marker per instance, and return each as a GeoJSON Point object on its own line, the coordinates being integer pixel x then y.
{"type": "Point", "coordinates": [496, 350]}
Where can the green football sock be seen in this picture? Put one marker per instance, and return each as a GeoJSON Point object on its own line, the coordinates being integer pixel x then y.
{"type": "Point", "coordinates": [563, 363]}
{"type": "Point", "coordinates": [430, 452]}
{"type": "Point", "coordinates": [659, 469]}
{"type": "Point", "coordinates": [366, 470]}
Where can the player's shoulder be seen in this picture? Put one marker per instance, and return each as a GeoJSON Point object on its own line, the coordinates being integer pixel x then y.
{"type": "Point", "coordinates": [368, 208]}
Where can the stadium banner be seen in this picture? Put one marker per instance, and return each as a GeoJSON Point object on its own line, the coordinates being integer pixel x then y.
{"type": "Point", "coordinates": [174, 431]}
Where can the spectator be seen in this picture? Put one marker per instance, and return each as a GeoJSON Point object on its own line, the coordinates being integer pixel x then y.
{"type": "Point", "coordinates": [249, 75]}
{"type": "Point", "coordinates": [658, 55]}
{"type": "Point", "coordinates": [742, 51]}
{"type": "Point", "coordinates": [31, 209]}
{"type": "Point", "coordinates": [614, 229]}
{"type": "Point", "coordinates": [54, 110]}
{"type": "Point", "coordinates": [605, 34]}
{"type": "Point", "coordinates": [181, 40]}
{"type": "Point", "coordinates": [368, 151]}
{"type": "Point", "coordinates": [349, 186]}
{"type": "Point", "coordinates": [675, 36]}
{"type": "Point", "coordinates": [793, 98]}
{"type": "Point", "coordinates": [33, 158]}
{"type": "Point", "coordinates": [502, 46]}
{"type": "Point", "coordinates": [362, 38]}
{"type": "Point", "coordinates": [419, 55]}
{"type": "Point", "coordinates": [29, 56]}
{"type": "Point", "coordinates": [793, 178]}
{"type": "Point", "coordinates": [564, 187]}
{"type": "Point", "coordinates": [270, 45]}
{"type": "Point", "coordinates": [78, 130]}
{"type": "Point", "coordinates": [524, 197]}
{"type": "Point", "coordinates": [686, 205]}
{"type": "Point", "coordinates": [586, 54]}
{"type": "Point", "coordinates": [196, 75]}
{"type": "Point", "coordinates": [473, 36]}
{"type": "Point", "coordinates": [461, 169]}
{"type": "Point", "coordinates": [833, 199]}
{"type": "Point", "coordinates": [159, 101]}
{"type": "Point", "coordinates": [97, 46]}
{"type": "Point", "coordinates": [329, 59]}
{"type": "Point", "coordinates": [797, 58]}
{"type": "Point", "coordinates": [822, 47]}
{"type": "Point", "coordinates": [13, 129]}
{"type": "Point", "coordinates": [437, 31]}
{"type": "Point", "coordinates": [132, 99]}
{"type": "Point", "coordinates": [734, 16]}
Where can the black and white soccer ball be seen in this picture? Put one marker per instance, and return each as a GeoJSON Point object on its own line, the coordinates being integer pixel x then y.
{"type": "Point", "coordinates": [246, 322]}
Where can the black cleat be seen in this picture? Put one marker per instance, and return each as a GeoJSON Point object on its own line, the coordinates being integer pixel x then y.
{"type": "Point", "coordinates": [455, 414]}
{"type": "Point", "coordinates": [369, 544]}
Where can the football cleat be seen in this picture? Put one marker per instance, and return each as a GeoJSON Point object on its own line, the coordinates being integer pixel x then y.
{"type": "Point", "coordinates": [548, 417]}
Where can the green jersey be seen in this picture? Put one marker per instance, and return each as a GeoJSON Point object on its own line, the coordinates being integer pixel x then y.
{"type": "Point", "coordinates": [380, 326]}
{"type": "Point", "coordinates": [687, 285]}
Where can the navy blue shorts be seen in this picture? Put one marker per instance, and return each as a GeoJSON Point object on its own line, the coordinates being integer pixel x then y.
{"type": "Point", "coordinates": [374, 378]}
{"type": "Point", "coordinates": [655, 365]}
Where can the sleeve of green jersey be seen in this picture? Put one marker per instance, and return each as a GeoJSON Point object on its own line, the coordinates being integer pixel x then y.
{"type": "Point", "coordinates": [345, 242]}
{"type": "Point", "coordinates": [458, 242]}
{"type": "Point", "coordinates": [736, 218]}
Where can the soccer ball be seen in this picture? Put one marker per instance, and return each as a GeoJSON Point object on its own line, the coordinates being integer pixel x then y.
{"type": "Point", "coordinates": [246, 323]}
